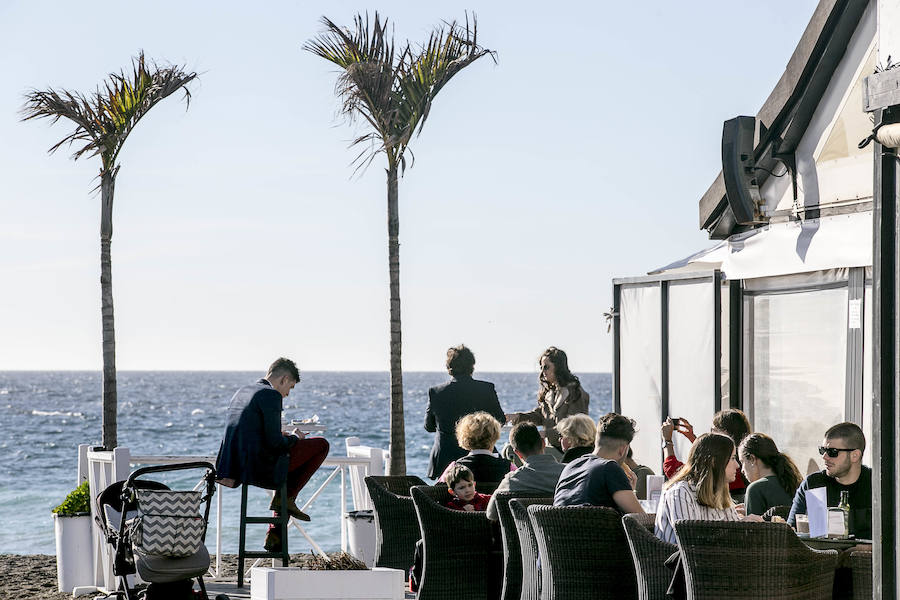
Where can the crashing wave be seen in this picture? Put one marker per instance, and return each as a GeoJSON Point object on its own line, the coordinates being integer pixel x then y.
{"type": "Point", "coordinates": [55, 413]}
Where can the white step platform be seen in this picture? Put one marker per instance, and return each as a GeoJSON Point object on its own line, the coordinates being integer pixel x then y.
{"type": "Point", "coordinates": [294, 583]}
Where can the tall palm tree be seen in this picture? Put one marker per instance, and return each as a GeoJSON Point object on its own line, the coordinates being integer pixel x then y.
{"type": "Point", "coordinates": [392, 88]}
{"type": "Point", "coordinates": [103, 121]}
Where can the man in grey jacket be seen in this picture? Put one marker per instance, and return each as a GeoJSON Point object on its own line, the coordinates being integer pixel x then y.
{"type": "Point", "coordinates": [539, 472]}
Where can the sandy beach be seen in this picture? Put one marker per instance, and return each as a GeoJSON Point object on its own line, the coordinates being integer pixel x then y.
{"type": "Point", "coordinates": [33, 576]}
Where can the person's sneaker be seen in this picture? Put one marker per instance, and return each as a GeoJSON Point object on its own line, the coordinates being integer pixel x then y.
{"type": "Point", "coordinates": [273, 541]}
{"type": "Point", "coordinates": [292, 507]}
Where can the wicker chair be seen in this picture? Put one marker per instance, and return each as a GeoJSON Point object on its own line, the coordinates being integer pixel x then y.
{"type": "Point", "coordinates": [649, 554]}
{"type": "Point", "coordinates": [512, 551]}
{"type": "Point", "coordinates": [744, 561]}
{"type": "Point", "coordinates": [584, 553]}
{"type": "Point", "coordinates": [396, 526]}
{"type": "Point", "coordinates": [531, 576]}
{"type": "Point", "coordinates": [861, 565]}
{"type": "Point", "coordinates": [459, 558]}
{"type": "Point", "coordinates": [782, 510]}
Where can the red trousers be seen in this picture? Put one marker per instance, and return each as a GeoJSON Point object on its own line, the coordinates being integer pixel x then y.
{"type": "Point", "coordinates": [307, 456]}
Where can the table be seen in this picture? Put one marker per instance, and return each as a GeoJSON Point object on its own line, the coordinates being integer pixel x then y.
{"type": "Point", "coordinates": [831, 543]}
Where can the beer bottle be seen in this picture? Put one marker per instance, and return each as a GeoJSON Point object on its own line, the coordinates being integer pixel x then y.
{"type": "Point", "coordinates": [844, 505]}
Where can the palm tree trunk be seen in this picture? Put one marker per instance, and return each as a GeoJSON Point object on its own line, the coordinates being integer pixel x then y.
{"type": "Point", "coordinates": [397, 464]}
{"type": "Point", "coordinates": [110, 401]}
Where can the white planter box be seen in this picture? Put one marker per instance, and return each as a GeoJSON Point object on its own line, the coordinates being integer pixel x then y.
{"type": "Point", "coordinates": [74, 552]}
{"type": "Point", "coordinates": [294, 583]}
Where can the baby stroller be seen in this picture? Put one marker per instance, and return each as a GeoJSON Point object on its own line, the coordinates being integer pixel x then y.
{"type": "Point", "coordinates": [157, 533]}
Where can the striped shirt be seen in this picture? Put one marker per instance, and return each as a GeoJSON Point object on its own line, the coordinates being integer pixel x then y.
{"type": "Point", "coordinates": [679, 503]}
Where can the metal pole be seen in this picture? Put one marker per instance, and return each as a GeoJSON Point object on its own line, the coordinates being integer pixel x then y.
{"type": "Point", "coordinates": [617, 349]}
{"type": "Point", "coordinates": [735, 346]}
{"type": "Point", "coordinates": [343, 508]}
{"type": "Point", "coordinates": [717, 340]}
{"type": "Point", "coordinates": [219, 534]}
{"type": "Point", "coordinates": [884, 369]}
{"type": "Point", "coordinates": [664, 349]}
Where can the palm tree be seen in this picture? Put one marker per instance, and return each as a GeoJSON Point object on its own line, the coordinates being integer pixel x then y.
{"type": "Point", "coordinates": [392, 89]}
{"type": "Point", "coordinates": [103, 121]}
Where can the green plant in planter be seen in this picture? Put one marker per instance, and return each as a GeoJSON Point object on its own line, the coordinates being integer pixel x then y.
{"type": "Point", "coordinates": [77, 503]}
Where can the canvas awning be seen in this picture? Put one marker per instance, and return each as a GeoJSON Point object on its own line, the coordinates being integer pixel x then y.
{"type": "Point", "coordinates": [785, 248]}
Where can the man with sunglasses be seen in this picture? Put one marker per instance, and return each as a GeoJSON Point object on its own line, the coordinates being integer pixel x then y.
{"type": "Point", "coordinates": [842, 451]}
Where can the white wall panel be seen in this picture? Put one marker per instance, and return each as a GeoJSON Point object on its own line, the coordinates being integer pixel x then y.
{"type": "Point", "coordinates": [691, 355]}
{"type": "Point", "coordinates": [640, 370]}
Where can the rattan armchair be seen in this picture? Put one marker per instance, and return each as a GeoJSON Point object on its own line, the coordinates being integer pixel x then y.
{"type": "Point", "coordinates": [459, 559]}
{"type": "Point", "coordinates": [746, 561]}
{"type": "Point", "coordinates": [649, 554]}
{"type": "Point", "coordinates": [531, 576]}
{"type": "Point", "coordinates": [396, 526]}
{"type": "Point", "coordinates": [512, 551]}
{"type": "Point", "coordinates": [861, 565]}
{"type": "Point", "coordinates": [584, 553]}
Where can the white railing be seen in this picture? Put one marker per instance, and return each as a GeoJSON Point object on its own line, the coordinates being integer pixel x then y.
{"type": "Point", "coordinates": [103, 468]}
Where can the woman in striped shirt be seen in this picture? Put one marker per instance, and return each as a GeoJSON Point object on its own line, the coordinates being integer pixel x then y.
{"type": "Point", "coordinates": [699, 491]}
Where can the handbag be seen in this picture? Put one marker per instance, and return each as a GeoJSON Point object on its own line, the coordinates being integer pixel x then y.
{"type": "Point", "coordinates": [168, 523]}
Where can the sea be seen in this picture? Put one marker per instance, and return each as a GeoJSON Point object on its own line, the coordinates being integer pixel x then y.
{"type": "Point", "coordinates": [46, 415]}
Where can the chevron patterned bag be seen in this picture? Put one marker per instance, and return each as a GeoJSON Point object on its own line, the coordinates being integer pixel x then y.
{"type": "Point", "coordinates": [168, 523]}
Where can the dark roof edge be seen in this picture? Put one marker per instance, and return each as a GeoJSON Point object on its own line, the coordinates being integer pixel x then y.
{"type": "Point", "coordinates": [788, 90]}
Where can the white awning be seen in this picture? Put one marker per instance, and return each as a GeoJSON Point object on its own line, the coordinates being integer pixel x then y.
{"type": "Point", "coordinates": [785, 248]}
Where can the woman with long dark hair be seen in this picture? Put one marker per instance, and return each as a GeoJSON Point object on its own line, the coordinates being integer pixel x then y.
{"type": "Point", "coordinates": [699, 491]}
{"type": "Point", "coordinates": [559, 396]}
{"type": "Point", "coordinates": [773, 476]}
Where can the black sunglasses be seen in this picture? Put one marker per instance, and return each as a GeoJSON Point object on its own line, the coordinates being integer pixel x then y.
{"type": "Point", "coordinates": [833, 452]}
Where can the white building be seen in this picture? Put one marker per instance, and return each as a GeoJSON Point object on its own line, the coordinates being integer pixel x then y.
{"type": "Point", "coordinates": [777, 317]}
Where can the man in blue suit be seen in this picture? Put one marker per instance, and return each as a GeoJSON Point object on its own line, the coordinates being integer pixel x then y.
{"type": "Point", "coordinates": [255, 450]}
{"type": "Point", "coordinates": [450, 402]}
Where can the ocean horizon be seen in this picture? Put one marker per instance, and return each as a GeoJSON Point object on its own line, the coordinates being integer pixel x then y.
{"type": "Point", "coordinates": [48, 414]}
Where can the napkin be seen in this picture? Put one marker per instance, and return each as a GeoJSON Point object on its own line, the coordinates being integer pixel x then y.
{"type": "Point", "coordinates": [817, 509]}
{"type": "Point", "coordinates": [654, 490]}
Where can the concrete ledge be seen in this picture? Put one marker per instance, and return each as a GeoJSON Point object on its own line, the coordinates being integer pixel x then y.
{"type": "Point", "coordinates": [294, 583]}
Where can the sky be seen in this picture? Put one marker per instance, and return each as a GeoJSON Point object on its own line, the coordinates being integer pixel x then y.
{"type": "Point", "coordinates": [243, 234]}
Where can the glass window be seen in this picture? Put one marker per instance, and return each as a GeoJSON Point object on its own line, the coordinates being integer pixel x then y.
{"type": "Point", "coordinates": [867, 373]}
{"type": "Point", "coordinates": [725, 350]}
{"type": "Point", "coordinates": [797, 365]}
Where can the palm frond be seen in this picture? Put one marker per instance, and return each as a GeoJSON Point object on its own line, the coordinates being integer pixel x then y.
{"type": "Point", "coordinates": [392, 89]}
{"type": "Point", "coordinates": [104, 119]}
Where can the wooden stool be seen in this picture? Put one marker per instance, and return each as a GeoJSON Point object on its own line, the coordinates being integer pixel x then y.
{"type": "Point", "coordinates": [281, 520]}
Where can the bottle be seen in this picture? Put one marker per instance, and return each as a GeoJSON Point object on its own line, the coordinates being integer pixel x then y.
{"type": "Point", "coordinates": [844, 505]}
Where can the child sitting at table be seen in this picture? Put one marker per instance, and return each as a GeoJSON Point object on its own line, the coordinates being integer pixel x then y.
{"type": "Point", "coordinates": [461, 485]}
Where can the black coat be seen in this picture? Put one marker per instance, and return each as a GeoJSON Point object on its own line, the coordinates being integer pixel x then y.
{"type": "Point", "coordinates": [485, 467]}
{"type": "Point", "coordinates": [447, 404]}
{"type": "Point", "coordinates": [254, 450]}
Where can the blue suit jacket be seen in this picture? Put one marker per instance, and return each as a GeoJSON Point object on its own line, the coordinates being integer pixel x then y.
{"type": "Point", "coordinates": [254, 450]}
{"type": "Point", "coordinates": [447, 404]}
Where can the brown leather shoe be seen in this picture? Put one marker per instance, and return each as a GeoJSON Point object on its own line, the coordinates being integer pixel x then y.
{"type": "Point", "coordinates": [292, 507]}
{"type": "Point", "coordinates": [273, 541]}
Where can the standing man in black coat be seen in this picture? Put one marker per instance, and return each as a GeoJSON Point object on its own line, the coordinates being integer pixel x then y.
{"type": "Point", "coordinates": [450, 402]}
{"type": "Point", "coordinates": [255, 450]}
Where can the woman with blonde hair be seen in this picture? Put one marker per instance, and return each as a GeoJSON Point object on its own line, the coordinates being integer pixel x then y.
{"type": "Point", "coordinates": [773, 476]}
{"type": "Point", "coordinates": [576, 436]}
{"type": "Point", "coordinates": [699, 491]}
{"type": "Point", "coordinates": [478, 433]}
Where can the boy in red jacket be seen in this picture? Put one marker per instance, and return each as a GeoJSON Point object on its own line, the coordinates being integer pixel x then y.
{"type": "Point", "coordinates": [461, 484]}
